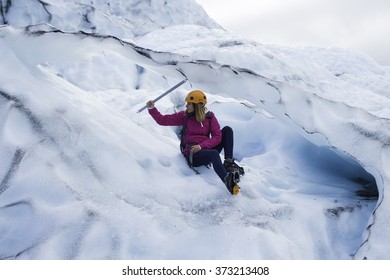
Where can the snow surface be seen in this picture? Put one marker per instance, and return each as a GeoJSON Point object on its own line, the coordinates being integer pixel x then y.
{"type": "Point", "coordinates": [83, 176]}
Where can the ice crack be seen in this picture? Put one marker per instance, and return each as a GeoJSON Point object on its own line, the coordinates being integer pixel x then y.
{"type": "Point", "coordinates": [18, 156]}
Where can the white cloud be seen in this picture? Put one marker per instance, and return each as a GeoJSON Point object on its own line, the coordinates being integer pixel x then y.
{"type": "Point", "coordinates": [362, 25]}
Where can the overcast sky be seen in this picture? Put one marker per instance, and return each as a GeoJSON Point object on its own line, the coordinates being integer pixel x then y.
{"type": "Point", "coordinates": [363, 25]}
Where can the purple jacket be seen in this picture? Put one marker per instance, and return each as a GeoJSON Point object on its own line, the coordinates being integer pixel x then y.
{"type": "Point", "coordinates": [206, 134]}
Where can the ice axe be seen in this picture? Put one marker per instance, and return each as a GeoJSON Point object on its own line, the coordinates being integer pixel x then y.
{"type": "Point", "coordinates": [165, 93]}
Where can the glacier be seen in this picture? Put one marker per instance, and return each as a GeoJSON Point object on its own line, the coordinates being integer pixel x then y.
{"type": "Point", "coordinates": [83, 176]}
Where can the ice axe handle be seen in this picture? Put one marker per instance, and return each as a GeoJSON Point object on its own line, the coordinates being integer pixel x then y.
{"type": "Point", "coordinates": [165, 93]}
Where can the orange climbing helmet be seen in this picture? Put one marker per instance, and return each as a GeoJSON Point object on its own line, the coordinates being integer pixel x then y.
{"type": "Point", "coordinates": [196, 96]}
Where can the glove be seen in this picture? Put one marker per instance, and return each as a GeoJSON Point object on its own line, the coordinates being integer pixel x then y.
{"type": "Point", "coordinates": [150, 104]}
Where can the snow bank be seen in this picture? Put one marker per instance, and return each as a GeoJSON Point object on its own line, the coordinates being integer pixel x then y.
{"type": "Point", "coordinates": [86, 177]}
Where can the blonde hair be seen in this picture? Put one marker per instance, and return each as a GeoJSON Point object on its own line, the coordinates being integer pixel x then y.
{"type": "Point", "coordinates": [200, 112]}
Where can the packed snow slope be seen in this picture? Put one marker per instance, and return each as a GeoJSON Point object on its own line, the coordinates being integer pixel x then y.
{"type": "Point", "coordinates": [83, 176]}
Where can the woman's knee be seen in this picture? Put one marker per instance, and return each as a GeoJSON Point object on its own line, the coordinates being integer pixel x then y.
{"type": "Point", "coordinates": [227, 129]}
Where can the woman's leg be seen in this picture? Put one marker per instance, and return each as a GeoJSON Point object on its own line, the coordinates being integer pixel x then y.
{"type": "Point", "coordinates": [227, 142]}
{"type": "Point", "coordinates": [204, 157]}
{"type": "Point", "coordinates": [227, 145]}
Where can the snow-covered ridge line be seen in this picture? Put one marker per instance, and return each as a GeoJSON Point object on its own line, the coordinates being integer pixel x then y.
{"type": "Point", "coordinates": [158, 60]}
{"type": "Point", "coordinates": [122, 18]}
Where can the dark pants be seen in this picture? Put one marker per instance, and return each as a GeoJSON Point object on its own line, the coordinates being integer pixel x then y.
{"type": "Point", "coordinates": [206, 156]}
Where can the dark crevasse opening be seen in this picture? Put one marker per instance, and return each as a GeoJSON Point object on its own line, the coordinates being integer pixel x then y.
{"type": "Point", "coordinates": [336, 164]}
{"type": "Point", "coordinates": [332, 168]}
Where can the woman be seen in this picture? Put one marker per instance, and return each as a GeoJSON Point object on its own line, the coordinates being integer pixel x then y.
{"type": "Point", "coordinates": [203, 139]}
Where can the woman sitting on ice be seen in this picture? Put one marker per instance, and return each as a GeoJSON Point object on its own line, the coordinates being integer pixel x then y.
{"type": "Point", "coordinates": [203, 139]}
